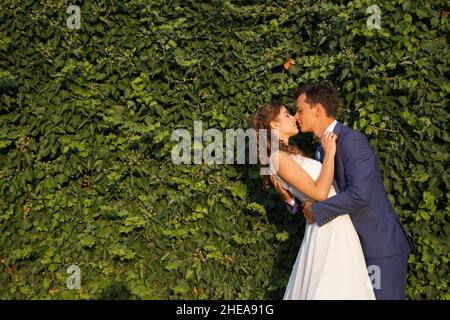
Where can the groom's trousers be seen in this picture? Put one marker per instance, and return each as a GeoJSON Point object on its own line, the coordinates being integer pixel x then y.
{"type": "Point", "coordinates": [388, 276]}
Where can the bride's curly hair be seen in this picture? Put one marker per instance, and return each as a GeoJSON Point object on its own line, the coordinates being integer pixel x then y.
{"type": "Point", "coordinates": [261, 120]}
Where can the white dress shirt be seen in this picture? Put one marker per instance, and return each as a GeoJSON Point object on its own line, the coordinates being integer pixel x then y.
{"type": "Point", "coordinates": [331, 126]}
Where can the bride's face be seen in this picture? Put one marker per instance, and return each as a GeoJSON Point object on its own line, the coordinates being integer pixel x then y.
{"type": "Point", "coordinates": [285, 124]}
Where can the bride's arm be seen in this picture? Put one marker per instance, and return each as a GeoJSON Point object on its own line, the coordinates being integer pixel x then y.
{"type": "Point", "coordinates": [291, 172]}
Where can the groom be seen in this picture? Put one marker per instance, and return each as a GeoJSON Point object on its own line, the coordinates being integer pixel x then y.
{"type": "Point", "coordinates": [361, 193]}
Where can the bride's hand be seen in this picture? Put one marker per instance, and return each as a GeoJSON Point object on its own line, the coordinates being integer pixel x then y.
{"type": "Point", "coordinates": [328, 142]}
{"type": "Point", "coordinates": [282, 191]}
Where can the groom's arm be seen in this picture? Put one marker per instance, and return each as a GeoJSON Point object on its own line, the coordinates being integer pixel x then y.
{"type": "Point", "coordinates": [359, 162]}
{"type": "Point", "coordinates": [293, 207]}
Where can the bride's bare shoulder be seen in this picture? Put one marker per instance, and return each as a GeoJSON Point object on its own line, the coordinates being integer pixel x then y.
{"type": "Point", "coordinates": [279, 153]}
{"type": "Point", "coordinates": [282, 157]}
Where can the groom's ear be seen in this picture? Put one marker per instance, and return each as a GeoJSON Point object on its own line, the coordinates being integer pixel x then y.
{"type": "Point", "coordinates": [320, 110]}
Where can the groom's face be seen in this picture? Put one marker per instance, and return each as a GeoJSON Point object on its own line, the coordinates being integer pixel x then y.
{"type": "Point", "coordinates": [305, 115]}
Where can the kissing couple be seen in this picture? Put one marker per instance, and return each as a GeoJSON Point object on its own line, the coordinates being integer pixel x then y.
{"type": "Point", "coordinates": [352, 229]}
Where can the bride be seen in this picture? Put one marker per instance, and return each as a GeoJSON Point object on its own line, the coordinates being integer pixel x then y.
{"type": "Point", "coordinates": [330, 263]}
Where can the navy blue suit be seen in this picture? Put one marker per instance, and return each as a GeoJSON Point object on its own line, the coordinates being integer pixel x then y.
{"type": "Point", "coordinates": [361, 194]}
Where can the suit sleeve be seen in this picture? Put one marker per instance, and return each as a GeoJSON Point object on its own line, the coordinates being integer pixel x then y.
{"type": "Point", "coordinates": [294, 209]}
{"type": "Point", "coordinates": [359, 163]}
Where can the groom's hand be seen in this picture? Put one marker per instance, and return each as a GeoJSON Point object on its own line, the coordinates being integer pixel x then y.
{"type": "Point", "coordinates": [307, 212]}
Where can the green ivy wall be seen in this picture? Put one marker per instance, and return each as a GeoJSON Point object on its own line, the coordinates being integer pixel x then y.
{"type": "Point", "coordinates": [86, 176]}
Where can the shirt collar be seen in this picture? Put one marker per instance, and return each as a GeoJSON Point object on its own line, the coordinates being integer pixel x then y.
{"type": "Point", "coordinates": [331, 126]}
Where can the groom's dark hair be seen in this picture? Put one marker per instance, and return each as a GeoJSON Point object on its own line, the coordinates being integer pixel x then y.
{"type": "Point", "coordinates": [322, 93]}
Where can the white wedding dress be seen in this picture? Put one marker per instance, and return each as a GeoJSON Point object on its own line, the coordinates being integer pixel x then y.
{"type": "Point", "coordinates": [330, 264]}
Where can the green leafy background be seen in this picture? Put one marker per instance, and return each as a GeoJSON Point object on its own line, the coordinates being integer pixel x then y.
{"type": "Point", "coordinates": [86, 115]}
